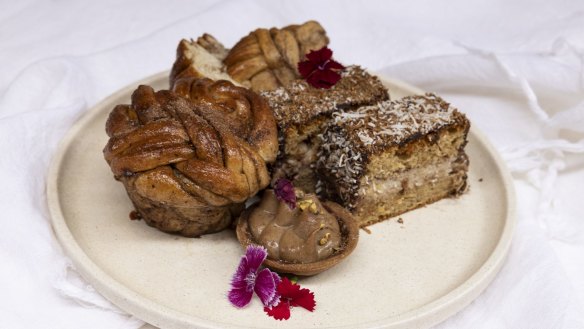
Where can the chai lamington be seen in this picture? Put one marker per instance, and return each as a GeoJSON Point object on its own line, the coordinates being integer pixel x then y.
{"type": "Point", "coordinates": [383, 160]}
{"type": "Point", "coordinates": [302, 112]}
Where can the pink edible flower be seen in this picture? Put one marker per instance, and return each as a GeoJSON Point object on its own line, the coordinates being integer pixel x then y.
{"type": "Point", "coordinates": [249, 278]}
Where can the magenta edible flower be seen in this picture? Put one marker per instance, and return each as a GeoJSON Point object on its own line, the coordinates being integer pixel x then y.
{"type": "Point", "coordinates": [248, 278]}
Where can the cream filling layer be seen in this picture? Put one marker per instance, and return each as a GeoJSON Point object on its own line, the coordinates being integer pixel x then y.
{"type": "Point", "coordinates": [413, 178]}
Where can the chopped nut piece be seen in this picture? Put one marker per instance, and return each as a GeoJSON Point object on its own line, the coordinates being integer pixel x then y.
{"type": "Point", "coordinates": [324, 239]}
{"type": "Point", "coordinates": [313, 208]}
{"type": "Point", "coordinates": [308, 204]}
{"type": "Point", "coordinates": [304, 204]}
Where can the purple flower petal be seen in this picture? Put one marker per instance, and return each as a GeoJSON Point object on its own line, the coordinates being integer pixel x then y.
{"type": "Point", "coordinates": [241, 273]}
{"type": "Point", "coordinates": [255, 256]}
{"type": "Point", "coordinates": [246, 279]}
{"type": "Point", "coordinates": [284, 190]}
{"type": "Point", "coordinates": [265, 287]}
{"type": "Point", "coordinates": [276, 278]}
{"type": "Point", "coordinates": [243, 280]}
{"type": "Point", "coordinates": [239, 297]}
{"type": "Point", "coordinates": [276, 299]}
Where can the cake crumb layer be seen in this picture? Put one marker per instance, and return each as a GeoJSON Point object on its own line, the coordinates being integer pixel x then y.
{"type": "Point", "coordinates": [388, 140]}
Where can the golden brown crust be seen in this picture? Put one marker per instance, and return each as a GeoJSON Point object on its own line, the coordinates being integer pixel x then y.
{"type": "Point", "coordinates": [243, 111]}
{"type": "Point", "coordinates": [205, 147]}
{"type": "Point", "coordinates": [310, 36]}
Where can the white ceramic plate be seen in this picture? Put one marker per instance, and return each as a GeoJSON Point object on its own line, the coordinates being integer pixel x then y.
{"type": "Point", "coordinates": [414, 274]}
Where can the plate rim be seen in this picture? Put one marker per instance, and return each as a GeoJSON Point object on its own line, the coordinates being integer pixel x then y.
{"type": "Point", "coordinates": [157, 314]}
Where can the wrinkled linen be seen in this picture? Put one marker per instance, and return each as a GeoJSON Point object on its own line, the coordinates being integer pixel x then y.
{"type": "Point", "coordinates": [515, 67]}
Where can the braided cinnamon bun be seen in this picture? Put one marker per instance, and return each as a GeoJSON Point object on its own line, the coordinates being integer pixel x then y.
{"type": "Point", "coordinates": [191, 157]}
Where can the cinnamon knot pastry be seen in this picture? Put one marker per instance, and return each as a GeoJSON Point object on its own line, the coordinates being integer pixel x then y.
{"type": "Point", "coordinates": [190, 158]}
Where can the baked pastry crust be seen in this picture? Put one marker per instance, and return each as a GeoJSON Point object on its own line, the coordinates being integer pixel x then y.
{"type": "Point", "coordinates": [240, 110]}
{"type": "Point", "coordinates": [187, 160]}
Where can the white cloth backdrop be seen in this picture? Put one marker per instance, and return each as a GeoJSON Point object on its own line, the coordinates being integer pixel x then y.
{"type": "Point", "coordinates": [515, 67]}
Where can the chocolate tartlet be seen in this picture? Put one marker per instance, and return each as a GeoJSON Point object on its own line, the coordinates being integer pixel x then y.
{"type": "Point", "coordinates": [306, 240]}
